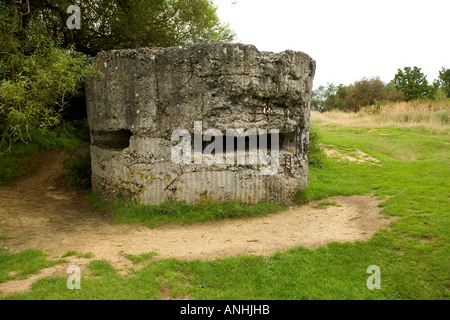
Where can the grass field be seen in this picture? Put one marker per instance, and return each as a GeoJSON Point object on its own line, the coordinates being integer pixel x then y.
{"type": "Point", "coordinates": [430, 114]}
{"type": "Point", "coordinates": [413, 256]}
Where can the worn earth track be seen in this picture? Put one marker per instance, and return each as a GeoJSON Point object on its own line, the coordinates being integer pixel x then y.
{"type": "Point", "coordinates": [41, 212]}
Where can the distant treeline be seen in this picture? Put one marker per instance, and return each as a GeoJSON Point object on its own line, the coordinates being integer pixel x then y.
{"type": "Point", "coordinates": [408, 84]}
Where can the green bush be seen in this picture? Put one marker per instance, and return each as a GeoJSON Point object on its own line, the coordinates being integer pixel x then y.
{"type": "Point", "coordinates": [316, 158]}
{"type": "Point", "coordinates": [301, 197]}
{"type": "Point", "coordinates": [78, 168]}
{"type": "Point", "coordinates": [316, 155]}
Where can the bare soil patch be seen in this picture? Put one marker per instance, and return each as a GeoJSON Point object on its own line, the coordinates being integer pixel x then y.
{"type": "Point", "coordinates": [41, 212]}
{"type": "Point", "coordinates": [355, 155]}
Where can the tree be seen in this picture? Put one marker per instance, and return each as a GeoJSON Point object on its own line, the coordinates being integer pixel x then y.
{"type": "Point", "coordinates": [326, 98]}
{"type": "Point", "coordinates": [366, 92]}
{"type": "Point", "coordinates": [40, 61]}
{"type": "Point", "coordinates": [341, 94]}
{"type": "Point", "coordinates": [444, 81]}
{"type": "Point", "coordinates": [413, 83]}
{"type": "Point", "coordinates": [37, 76]}
{"type": "Point", "coordinates": [352, 97]}
{"type": "Point", "coordinates": [120, 24]}
{"type": "Point", "coordinates": [320, 95]}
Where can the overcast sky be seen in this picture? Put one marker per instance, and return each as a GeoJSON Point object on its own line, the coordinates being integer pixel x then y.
{"type": "Point", "coordinates": [349, 39]}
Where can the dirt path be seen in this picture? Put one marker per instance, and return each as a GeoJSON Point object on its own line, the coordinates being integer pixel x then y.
{"type": "Point", "coordinates": [41, 212]}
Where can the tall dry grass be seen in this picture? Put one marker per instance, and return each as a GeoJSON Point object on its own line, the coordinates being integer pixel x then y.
{"type": "Point", "coordinates": [433, 114]}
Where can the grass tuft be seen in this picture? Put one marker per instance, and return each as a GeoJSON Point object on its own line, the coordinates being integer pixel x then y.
{"type": "Point", "coordinates": [77, 254]}
{"type": "Point", "coordinates": [135, 259]}
{"type": "Point", "coordinates": [16, 266]}
{"type": "Point", "coordinates": [326, 204]}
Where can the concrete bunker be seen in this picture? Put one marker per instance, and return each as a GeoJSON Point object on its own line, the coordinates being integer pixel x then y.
{"type": "Point", "coordinates": [155, 102]}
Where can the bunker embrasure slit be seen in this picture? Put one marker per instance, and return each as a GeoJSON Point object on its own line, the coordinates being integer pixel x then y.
{"type": "Point", "coordinates": [112, 140]}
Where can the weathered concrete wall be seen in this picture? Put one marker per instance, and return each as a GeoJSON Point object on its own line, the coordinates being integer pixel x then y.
{"type": "Point", "coordinates": [146, 94]}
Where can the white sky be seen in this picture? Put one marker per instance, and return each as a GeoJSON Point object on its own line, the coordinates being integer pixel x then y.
{"type": "Point", "coordinates": [349, 39]}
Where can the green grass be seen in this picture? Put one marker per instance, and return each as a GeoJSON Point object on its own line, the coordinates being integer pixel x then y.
{"type": "Point", "coordinates": [16, 266]}
{"type": "Point", "coordinates": [413, 256]}
{"type": "Point", "coordinates": [78, 254]}
{"type": "Point", "coordinates": [154, 215]}
{"type": "Point", "coordinates": [77, 167]}
{"type": "Point", "coordinates": [135, 259]}
{"type": "Point", "coordinates": [326, 204]}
